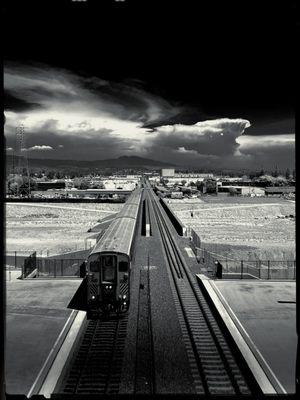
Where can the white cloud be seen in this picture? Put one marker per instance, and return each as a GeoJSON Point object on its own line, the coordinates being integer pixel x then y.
{"type": "Point", "coordinates": [184, 151]}
{"type": "Point", "coordinates": [263, 142]}
{"type": "Point", "coordinates": [39, 148]}
{"type": "Point", "coordinates": [212, 137]}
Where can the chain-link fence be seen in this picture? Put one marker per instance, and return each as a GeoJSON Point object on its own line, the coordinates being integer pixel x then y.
{"type": "Point", "coordinates": [58, 267]}
{"type": "Point", "coordinates": [31, 266]}
{"type": "Point", "coordinates": [259, 269]}
{"type": "Point", "coordinates": [255, 269]}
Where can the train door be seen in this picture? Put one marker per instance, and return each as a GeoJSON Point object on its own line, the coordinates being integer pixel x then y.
{"type": "Point", "coordinates": [124, 282]}
{"type": "Point", "coordinates": [108, 278]}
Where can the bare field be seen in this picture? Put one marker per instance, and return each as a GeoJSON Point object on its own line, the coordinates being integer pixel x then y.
{"type": "Point", "coordinates": [243, 228]}
{"type": "Point", "coordinates": [57, 228]}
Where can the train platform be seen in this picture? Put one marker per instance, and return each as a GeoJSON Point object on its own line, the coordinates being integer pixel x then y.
{"type": "Point", "coordinates": [264, 312]}
{"type": "Point", "coordinates": [36, 313]}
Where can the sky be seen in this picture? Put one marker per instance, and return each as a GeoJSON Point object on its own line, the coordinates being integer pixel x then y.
{"type": "Point", "coordinates": [93, 91]}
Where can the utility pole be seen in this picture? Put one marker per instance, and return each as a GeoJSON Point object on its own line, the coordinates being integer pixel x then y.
{"type": "Point", "coordinates": [22, 167]}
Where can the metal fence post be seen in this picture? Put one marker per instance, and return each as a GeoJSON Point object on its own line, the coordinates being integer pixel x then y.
{"type": "Point", "coordinates": [259, 272]}
{"type": "Point", "coordinates": [54, 268]}
{"type": "Point", "coordinates": [268, 269]}
{"type": "Point", "coordinates": [294, 269]}
{"type": "Point", "coordinates": [15, 259]}
{"type": "Point", "coordinates": [242, 268]}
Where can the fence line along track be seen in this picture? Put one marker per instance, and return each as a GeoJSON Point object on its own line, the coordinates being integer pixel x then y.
{"type": "Point", "coordinates": [218, 369]}
{"type": "Point", "coordinates": [97, 364]}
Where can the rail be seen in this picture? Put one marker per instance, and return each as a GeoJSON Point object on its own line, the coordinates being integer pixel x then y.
{"type": "Point", "coordinates": [220, 368]}
{"type": "Point", "coordinates": [97, 364]}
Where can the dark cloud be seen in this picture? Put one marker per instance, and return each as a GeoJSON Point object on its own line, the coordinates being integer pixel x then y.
{"type": "Point", "coordinates": [214, 137]}
{"type": "Point", "coordinates": [51, 88]}
{"type": "Point", "coordinates": [273, 127]}
{"type": "Point", "coordinates": [75, 116]}
{"type": "Point", "coordinates": [93, 145]}
{"type": "Point", "coordinates": [268, 151]}
{"type": "Point", "coordinates": [16, 104]}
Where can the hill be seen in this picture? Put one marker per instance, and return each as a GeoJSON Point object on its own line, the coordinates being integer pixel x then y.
{"type": "Point", "coordinates": [121, 162]}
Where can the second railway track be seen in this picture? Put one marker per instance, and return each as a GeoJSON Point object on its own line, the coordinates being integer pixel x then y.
{"type": "Point", "coordinates": [217, 369]}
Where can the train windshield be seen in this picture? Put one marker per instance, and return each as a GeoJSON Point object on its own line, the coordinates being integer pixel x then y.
{"type": "Point", "coordinates": [109, 264]}
{"type": "Point", "coordinates": [95, 266]}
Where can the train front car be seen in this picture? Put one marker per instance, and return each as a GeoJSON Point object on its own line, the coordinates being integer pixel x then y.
{"type": "Point", "coordinates": [109, 263]}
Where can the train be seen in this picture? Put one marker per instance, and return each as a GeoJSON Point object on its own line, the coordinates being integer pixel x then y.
{"type": "Point", "coordinates": [108, 267]}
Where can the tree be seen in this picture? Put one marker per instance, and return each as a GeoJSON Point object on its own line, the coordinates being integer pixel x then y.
{"type": "Point", "coordinates": [20, 185]}
{"type": "Point", "coordinates": [232, 191]}
{"type": "Point", "coordinates": [199, 185]}
{"type": "Point", "coordinates": [294, 174]}
{"type": "Point", "coordinates": [275, 173]}
{"type": "Point", "coordinates": [183, 182]}
{"type": "Point", "coordinates": [265, 180]}
{"type": "Point", "coordinates": [287, 174]}
{"type": "Point", "coordinates": [84, 184]}
{"type": "Point", "coordinates": [59, 175]}
{"type": "Point", "coordinates": [50, 174]}
{"type": "Point", "coordinates": [280, 181]}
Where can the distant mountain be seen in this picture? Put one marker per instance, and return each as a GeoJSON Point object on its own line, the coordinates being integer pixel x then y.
{"type": "Point", "coordinates": [121, 162]}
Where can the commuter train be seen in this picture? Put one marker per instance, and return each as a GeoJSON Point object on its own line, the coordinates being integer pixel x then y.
{"type": "Point", "coordinates": [108, 268]}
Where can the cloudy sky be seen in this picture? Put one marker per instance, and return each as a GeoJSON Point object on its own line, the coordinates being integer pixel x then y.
{"type": "Point", "coordinates": [147, 102]}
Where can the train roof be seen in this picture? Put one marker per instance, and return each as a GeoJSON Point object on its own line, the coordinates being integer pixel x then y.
{"type": "Point", "coordinates": [130, 211]}
{"type": "Point", "coordinates": [134, 198]}
{"type": "Point", "coordinates": [117, 238]}
{"type": "Point", "coordinates": [119, 235]}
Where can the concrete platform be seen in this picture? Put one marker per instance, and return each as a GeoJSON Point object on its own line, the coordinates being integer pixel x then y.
{"type": "Point", "coordinates": [271, 325]}
{"type": "Point", "coordinates": [36, 312]}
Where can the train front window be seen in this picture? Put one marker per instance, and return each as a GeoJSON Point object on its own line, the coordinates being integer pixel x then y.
{"type": "Point", "coordinates": [95, 266]}
{"type": "Point", "coordinates": [109, 268]}
{"type": "Point", "coordinates": [123, 266]}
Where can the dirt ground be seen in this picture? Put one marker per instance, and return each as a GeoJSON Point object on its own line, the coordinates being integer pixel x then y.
{"type": "Point", "coordinates": [52, 228]}
{"type": "Point", "coordinates": [242, 227]}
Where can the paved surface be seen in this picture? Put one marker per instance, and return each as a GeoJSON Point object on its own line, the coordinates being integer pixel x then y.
{"type": "Point", "coordinates": [270, 325]}
{"type": "Point", "coordinates": [172, 370]}
{"type": "Point", "coordinates": [36, 312]}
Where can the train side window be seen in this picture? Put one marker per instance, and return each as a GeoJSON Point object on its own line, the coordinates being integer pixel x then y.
{"type": "Point", "coordinates": [123, 266]}
{"type": "Point", "coordinates": [95, 266]}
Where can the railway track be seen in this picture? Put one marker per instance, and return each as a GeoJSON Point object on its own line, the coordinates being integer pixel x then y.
{"type": "Point", "coordinates": [217, 368]}
{"type": "Point", "coordinates": [97, 364]}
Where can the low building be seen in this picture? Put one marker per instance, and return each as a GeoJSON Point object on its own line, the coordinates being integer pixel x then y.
{"type": "Point", "coordinates": [176, 195]}
{"type": "Point", "coordinates": [279, 190]}
{"type": "Point", "coordinates": [59, 184]}
{"type": "Point", "coordinates": [166, 172]}
{"type": "Point", "coordinates": [242, 190]}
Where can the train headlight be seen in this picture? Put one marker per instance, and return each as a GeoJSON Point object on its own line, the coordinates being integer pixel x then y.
{"type": "Point", "coordinates": [124, 303]}
{"type": "Point", "coordinates": [110, 287]}
{"type": "Point", "coordinates": [106, 287]}
{"type": "Point", "coordinates": [124, 296]}
{"type": "Point", "coordinates": [93, 297]}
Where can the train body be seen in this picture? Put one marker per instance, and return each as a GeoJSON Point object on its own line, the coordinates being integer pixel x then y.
{"type": "Point", "coordinates": [109, 263]}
